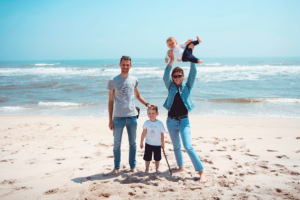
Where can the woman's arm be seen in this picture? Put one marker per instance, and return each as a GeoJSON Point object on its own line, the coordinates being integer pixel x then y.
{"type": "Point", "coordinates": [167, 73]}
{"type": "Point", "coordinates": [192, 76]}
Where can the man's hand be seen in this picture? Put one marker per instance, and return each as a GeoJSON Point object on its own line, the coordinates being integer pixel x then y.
{"type": "Point", "coordinates": [162, 145]}
{"type": "Point", "coordinates": [150, 105]}
{"type": "Point", "coordinates": [166, 60]}
{"type": "Point", "coordinates": [141, 145]}
{"type": "Point", "coordinates": [111, 125]}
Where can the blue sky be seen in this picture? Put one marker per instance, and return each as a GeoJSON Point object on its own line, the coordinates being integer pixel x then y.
{"type": "Point", "coordinates": [98, 29]}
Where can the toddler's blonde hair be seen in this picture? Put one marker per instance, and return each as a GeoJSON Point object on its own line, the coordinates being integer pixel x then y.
{"type": "Point", "coordinates": [171, 38]}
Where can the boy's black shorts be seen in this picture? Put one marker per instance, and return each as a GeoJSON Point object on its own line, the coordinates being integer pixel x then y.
{"type": "Point", "coordinates": [148, 152]}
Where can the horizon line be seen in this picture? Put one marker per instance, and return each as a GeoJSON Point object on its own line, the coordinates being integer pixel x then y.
{"type": "Point", "coordinates": [65, 59]}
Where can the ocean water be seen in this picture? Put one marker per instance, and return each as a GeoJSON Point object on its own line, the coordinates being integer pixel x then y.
{"type": "Point", "coordinates": [268, 87]}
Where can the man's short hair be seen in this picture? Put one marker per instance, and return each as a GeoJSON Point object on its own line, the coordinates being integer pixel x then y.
{"type": "Point", "coordinates": [171, 38]}
{"type": "Point", "coordinates": [153, 107]}
{"type": "Point", "coordinates": [125, 58]}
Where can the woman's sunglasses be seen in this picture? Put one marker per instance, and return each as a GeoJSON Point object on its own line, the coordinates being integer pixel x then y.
{"type": "Point", "coordinates": [177, 76]}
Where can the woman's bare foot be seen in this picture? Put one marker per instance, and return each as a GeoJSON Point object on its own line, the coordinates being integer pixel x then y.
{"type": "Point", "coordinates": [158, 172]}
{"type": "Point", "coordinates": [198, 39]}
{"type": "Point", "coordinates": [200, 61]}
{"type": "Point", "coordinates": [146, 172]}
{"type": "Point", "coordinates": [180, 169]}
{"type": "Point", "coordinates": [202, 177]}
{"type": "Point", "coordinates": [115, 171]}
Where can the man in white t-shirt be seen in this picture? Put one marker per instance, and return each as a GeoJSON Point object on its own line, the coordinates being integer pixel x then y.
{"type": "Point", "coordinates": [153, 130]}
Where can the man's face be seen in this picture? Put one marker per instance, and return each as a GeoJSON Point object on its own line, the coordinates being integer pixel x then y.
{"type": "Point", "coordinates": [125, 66]}
{"type": "Point", "coordinates": [172, 44]}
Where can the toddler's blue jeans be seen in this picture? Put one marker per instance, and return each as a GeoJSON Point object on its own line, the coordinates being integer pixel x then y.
{"type": "Point", "coordinates": [188, 56]}
{"type": "Point", "coordinates": [184, 129]}
{"type": "Point", "coordinates": [131, 126]}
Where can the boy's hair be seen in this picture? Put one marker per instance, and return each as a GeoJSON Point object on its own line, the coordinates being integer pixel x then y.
{"type": "Point", "coordinates": [125, 58]}
{"type": "Point", "coordinates": [171, 38]}
{"type": "Point", "coordinates": [153, 107]}
{"type": "Point", "coordinates": [177, 69]}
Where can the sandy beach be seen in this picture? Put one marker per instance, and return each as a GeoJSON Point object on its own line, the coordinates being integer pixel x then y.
{"type": "Point", "coordinates": [45, 157]}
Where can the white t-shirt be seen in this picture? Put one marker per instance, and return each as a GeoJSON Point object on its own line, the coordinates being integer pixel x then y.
{"type": "Point", "coordinates": [177, 52]}
{"type": "Point", "coordinates": [154, 130]}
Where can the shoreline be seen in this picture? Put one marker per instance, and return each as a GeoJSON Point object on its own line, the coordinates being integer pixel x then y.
{"type": "Point", "coordinates": [49, 157]}
{"type": "Point", "coordinates": [190, 116]}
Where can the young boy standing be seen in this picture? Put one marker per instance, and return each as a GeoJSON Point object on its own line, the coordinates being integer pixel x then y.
{"type": "Point", "coordinates": [153, 130]}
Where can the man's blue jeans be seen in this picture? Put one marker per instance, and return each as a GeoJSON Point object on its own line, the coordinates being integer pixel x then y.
{"type": "Point", "coordinates": [131, 126]}
{"type": "Point", "coordinates": [182, 127]}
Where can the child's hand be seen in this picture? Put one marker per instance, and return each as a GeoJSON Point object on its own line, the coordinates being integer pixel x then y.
{"type": "Point", "coordinates": [166, 60]}
{"type": "Point", "coordinates": [190, 40]}
{"type": "Point", "coordinates": [162, 146]}
{"type": "Point", "coordinates": [141, 145]}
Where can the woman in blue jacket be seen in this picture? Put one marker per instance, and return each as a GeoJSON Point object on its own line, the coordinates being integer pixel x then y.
{"type": "Point", "coordinates": [179, 103]}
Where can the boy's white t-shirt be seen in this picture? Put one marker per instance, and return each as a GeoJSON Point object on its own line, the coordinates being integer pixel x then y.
{"type": "Point", "coordinates": [178, 51]}
{"type": "Point", "coordinates": [154, 130]}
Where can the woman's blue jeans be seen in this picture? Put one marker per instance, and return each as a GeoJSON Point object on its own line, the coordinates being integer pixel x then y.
{"type": "Point", "coordinates": [131, 126]}
{"type": "Point", "coordinates": [182, 127]}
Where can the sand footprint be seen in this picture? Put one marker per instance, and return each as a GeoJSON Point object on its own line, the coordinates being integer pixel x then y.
{"type": "Point", "coordinates": [252, 155]}
{"type": "Point", "coordinates": [60, 159]}
{"type": "Point", "coordinates": [52, 191]}
{"type": "Point", "coordinates": [265, 167]}
{"type": "Point", "coordinates": [283, 156]}
{"type": "Point", "coordinates": [9, 182]}
{"type": "Point", "coordinates": [271, 150]}
{"type": "Point", "coordinates": [86, 157]}
{"type": "Point", "coordinates": [228, 157]}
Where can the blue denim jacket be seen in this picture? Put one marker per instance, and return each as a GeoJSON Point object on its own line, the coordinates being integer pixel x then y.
{"type": "Point", "coordinates": [184, 88]}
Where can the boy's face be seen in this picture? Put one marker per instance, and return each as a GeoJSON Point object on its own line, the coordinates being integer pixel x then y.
{"type": "Point", "coordinates": [171, 44]}
{"type": "Point", "coordinates": [152, 114]}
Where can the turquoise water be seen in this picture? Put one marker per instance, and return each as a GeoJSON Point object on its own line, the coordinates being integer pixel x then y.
{"type": "Point", "coordinates": [224, 86]}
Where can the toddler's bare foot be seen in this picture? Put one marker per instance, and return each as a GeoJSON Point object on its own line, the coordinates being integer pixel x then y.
{"type": "Point", "coordinates": [202, 177]}
{"type": "Point", "coordinates": [198, 39]}
{"type": "Point", "coordinates": [200, 61]}
{"type": "Point", "coordinates": [159, 172]}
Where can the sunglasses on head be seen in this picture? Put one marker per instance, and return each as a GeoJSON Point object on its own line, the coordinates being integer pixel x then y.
{"type": "Point", "coordinates": [177, 76]}
{"type": "Point", "coordinates": [126, 57]}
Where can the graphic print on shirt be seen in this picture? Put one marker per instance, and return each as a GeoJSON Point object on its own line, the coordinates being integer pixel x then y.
{"type": "Point", "coordinates": [124, 89]}
{"type": "Point", "coordinates": [152, 131]}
